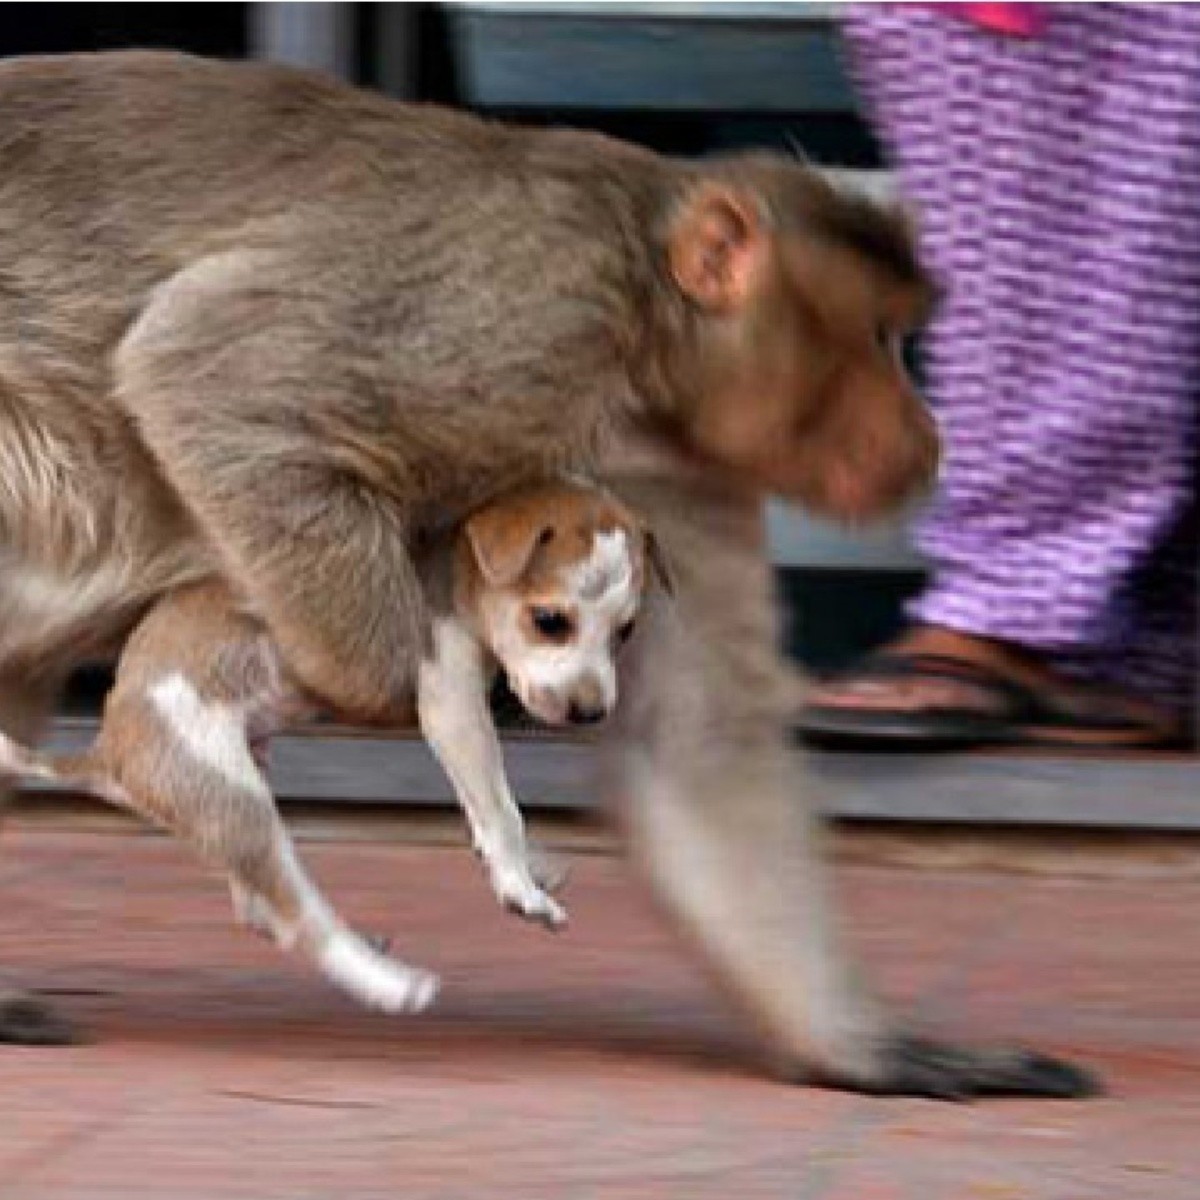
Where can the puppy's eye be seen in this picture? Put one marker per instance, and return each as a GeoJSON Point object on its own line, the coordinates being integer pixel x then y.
{"type": "Point", "coordinates": [624, 633]}
{"type": "Point", "coordinates": [552, 623]}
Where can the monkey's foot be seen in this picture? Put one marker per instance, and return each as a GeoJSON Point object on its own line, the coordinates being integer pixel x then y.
{"type": "Point", "coordinates": [27, 1021]}
{"type": "Point", "coordinates": [917, 1066]}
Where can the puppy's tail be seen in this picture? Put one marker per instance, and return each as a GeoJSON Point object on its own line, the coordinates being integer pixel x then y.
{"type": "Point", "coordinates": [21, 764]}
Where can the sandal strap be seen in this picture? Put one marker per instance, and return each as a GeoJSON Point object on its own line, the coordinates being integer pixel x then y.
{"type": "Point", "coordinates": [1020, 701]}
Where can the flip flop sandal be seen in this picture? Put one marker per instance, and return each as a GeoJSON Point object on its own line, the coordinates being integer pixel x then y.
{"type": "Point", "coordinates": [1091, 716]}
{"type": "Point", "coordinates": [1011, 713]}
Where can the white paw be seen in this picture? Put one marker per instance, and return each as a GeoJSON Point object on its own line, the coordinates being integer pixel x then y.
{"type": "Point", "coordinates": [374, 979]}
{"type": "Point", "coordinates": [519, 894]}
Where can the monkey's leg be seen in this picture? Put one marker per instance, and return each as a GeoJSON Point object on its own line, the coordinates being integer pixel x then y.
{"type": "Point", "coordinates": [26, 702]}
{"type": "Point", "coordinates": [254, 424]}
{"type": "Point", "coordinates": [715, 806]}
{"type": "Point", "coordinates": [456, 720]}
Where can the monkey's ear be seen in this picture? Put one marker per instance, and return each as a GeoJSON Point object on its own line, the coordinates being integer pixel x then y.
{"type": "Point", "coordinates": [503, 539]}
{"type": "Point", "coordinates": [715, 247]}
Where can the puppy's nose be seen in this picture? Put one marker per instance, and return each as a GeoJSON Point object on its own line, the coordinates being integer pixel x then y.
{"type": "Point", "coordinates": [585, 714]}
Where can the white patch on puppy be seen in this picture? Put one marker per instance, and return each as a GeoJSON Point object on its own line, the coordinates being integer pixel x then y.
{"type": "Point", "coordinates": [378, 981]}
{"type": "Point", "coordinates": [608, 570]}
{"type": "Point", "coordinates": [214, 734]}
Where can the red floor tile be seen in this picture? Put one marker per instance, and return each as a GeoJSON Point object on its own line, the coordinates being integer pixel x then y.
{"type": "Point", "coordinates": [592, 1064]}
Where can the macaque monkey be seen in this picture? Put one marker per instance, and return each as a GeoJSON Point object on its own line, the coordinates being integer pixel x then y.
{"type": "Point", "coordinates": [259, 323]}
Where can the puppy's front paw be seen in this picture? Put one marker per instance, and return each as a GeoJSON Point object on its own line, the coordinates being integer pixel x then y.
{"type": "Point", "coordinates": [520, 895]}
{"type": "Point", "coordinates": [549, 871]}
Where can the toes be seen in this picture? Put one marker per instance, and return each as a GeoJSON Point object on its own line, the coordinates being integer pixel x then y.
{"type": "Point", "coordinates": [539, 908]}
{"type": "Point", "coordinates": [542, 912]}
{"type": "Point", "coordinates": [1028, 1073]}
{"type": "Point", "coordinates": [917, 1066]}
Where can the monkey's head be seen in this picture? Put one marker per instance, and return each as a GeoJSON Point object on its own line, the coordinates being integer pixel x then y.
{"type": "Point", "coordinates": [551, 578]}
{"type": "Point", "coordinates": [797, 295]}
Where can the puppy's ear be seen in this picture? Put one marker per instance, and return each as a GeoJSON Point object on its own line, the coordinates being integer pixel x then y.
{"type": "Point", "coordinates": [503, 539]}
{"type": "Point", "coordinates": [716, 246]}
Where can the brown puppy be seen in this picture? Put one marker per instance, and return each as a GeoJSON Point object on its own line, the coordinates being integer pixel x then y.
{"type": "Point", "coordinates": [543, 582]}
{"type": "Point", "coordinates": [258, 322]}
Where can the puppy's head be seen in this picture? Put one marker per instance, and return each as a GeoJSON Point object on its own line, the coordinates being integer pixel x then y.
{"type": "Point", "coordinates": [552, 577]}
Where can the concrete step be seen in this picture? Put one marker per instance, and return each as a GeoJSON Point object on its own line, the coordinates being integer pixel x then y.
{"type": "Point", "coordinates": [551, 773]}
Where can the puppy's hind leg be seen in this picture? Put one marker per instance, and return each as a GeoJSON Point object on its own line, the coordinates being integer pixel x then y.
{"type": "Point", "coordinates": [201, 781]}
{"type": "Point", "coordinates": [286, 902]}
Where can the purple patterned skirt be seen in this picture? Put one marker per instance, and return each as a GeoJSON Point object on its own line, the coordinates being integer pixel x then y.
{"type": "Point", "coordinates": [1057, 179]}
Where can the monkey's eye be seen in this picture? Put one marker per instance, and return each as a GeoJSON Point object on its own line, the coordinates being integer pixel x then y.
{"type": "Point", "coordinates": [552, 623]}
{"type": "Point", "coordinates": [624, 633]}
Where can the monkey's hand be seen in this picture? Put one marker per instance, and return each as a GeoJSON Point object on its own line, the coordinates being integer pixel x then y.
{"type": "Point", "coordinates": [911, 1065]}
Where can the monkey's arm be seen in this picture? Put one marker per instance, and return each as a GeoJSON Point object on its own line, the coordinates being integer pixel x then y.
{"type": "Point", "coordinates": [718, 809]}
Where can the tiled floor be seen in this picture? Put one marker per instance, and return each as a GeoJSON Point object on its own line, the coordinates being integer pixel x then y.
{"type": "Point", "coordinates": [594, 1064]}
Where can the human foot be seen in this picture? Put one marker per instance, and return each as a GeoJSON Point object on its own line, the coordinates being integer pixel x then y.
{"type": "Point", "coordinates": [937, 687]}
